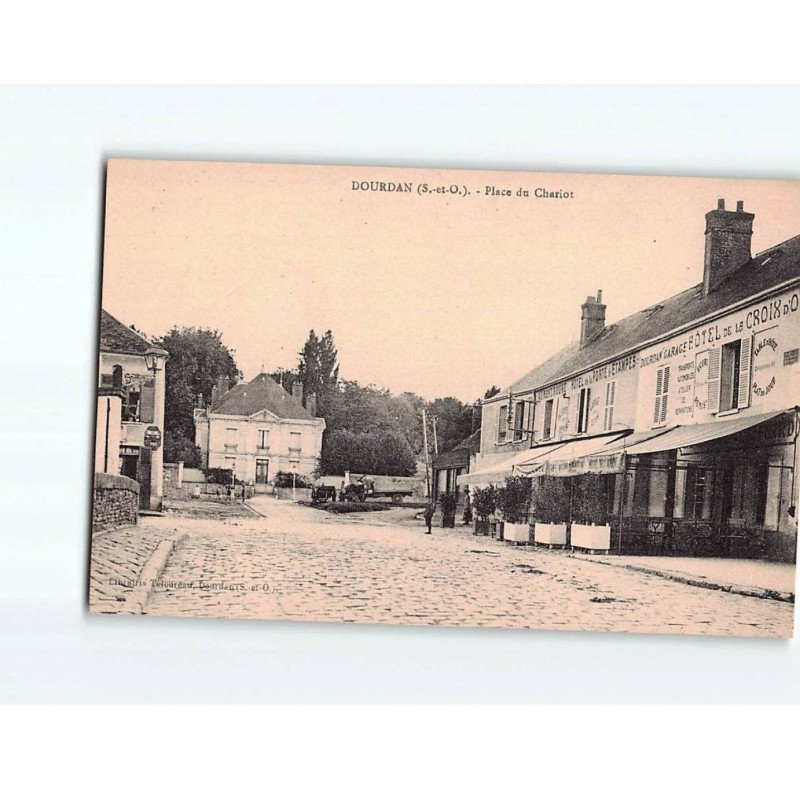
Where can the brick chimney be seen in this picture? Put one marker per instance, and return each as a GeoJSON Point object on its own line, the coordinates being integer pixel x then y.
{"type": "Point", "coordinates": [218, 390]}
{"type": "Point", "coordinates": [593, 318]}
{"type": "Point", "coordinates": [297, 391]}
{"type": "Point", "coordinates": [728, 235]}
{"type": "Point", "coordinates": [311, 404]}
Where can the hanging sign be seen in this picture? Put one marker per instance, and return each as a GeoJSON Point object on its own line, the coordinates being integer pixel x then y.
{"type": "Point", "coordinates": [152, 437]}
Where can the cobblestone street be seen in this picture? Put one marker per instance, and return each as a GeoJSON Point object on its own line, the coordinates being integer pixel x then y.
{"type": "Point", "coordinates": [298, 563]}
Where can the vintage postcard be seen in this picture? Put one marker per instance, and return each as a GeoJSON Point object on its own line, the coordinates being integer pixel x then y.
{"type": "Point", "coordinates": [448, 397]}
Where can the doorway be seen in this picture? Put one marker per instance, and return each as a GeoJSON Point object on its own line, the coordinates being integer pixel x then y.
{"type": "Point", "coordinates": [262, 473]}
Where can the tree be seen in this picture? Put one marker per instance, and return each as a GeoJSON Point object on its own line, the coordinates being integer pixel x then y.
{"type": "Point", "coordinates": [178, 447]}
{"type": "Point", "coordinates": [285, 378]}
{"type": "Point", "coordinates": [368, 453]}
{"type": "Point", "coordinates": [491, 392]}
{"type": "Point", "coordinates": [318, 368]}
{"type": "Point", "coordinates": [453, 421]}
{"type": "Point", "coordinates": [197, 359]}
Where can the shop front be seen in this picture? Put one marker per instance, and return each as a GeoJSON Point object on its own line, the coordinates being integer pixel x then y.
{"type": "Point", "coordinates": [721, 489]}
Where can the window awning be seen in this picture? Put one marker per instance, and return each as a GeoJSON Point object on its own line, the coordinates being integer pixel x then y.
{"type": "Point", "coordinates": [688, 435]}
{"type": "Point", "coordinates": [496, 473]}
{"type": "Point", "coordinates": [573, 458]}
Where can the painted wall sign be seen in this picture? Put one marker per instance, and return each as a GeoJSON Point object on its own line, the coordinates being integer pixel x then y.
{"type": "Point", "coordinates": [769, 330]}
{"type": "Point", "coordinates": [765, 365]}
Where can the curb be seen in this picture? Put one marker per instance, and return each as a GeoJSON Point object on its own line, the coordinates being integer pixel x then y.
{"type": "Point", "coordinates": [731, 588]}
{"type": "Point", "coordinates": [151, 572]}
{"type": "Point", "coordinates": [254, 510]}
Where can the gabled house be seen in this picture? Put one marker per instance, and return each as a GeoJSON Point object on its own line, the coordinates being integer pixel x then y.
{"type": "Point", "coordinates": [130, 409]}
{"type": "Point", "coordinates": [258, 429]}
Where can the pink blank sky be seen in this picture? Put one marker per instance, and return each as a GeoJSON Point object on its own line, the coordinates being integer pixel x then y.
{"type": "Point", "coordinates": [439, 295]}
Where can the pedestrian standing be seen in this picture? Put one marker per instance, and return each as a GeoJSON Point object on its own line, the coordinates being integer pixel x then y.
{"type": "Point", "coordinates": [429, 516]}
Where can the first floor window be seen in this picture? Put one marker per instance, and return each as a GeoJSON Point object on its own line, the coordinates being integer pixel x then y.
{"type": "Point", "coordinates": [502, 424]}
{"type": "Point", "coordinates": [131, 406]}
{"type": "Point", "coordinates": [519, 421]}
{"type": "Point", "coordinates": [583, 410]}
{"type": "Point", "coordinates": [263, 440]}
{"type": "Point", "coordinates": [231, 439]}
{"type": "Point", "coordinates": [547, 426]}
{"type": "Point", "coordinates": [294, 443]}
{"type": "Point", "coordinates": [729, 376]}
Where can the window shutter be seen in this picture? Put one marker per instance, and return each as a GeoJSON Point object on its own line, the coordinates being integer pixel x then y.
{"type": "Point", "coordinates": [657, 409]}
{"type": "Point", "coordinates": [714, 358]}
{"type": "Point", "coordinates": [147, 400]}
{"type": "Point", "coordinates": [664, 395]}
{"type": "Point", "coordinates": [744, 372]}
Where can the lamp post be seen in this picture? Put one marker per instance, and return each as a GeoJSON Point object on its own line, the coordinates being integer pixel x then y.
{"type": "Point", "coordinates": [155, 359]}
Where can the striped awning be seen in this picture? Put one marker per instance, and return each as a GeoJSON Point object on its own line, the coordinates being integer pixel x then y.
{"type": "Point", "coordinates": [575, 458]}
{"type": "Point", "coordinates": [497, 473]}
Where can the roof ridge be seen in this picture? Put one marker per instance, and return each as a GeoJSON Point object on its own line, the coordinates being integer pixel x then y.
{"type": "Point", "coordinates": [147, 341]}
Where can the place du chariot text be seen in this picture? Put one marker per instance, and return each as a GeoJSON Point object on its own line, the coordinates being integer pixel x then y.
{"type": "Point", "coordinates": [462, 190]}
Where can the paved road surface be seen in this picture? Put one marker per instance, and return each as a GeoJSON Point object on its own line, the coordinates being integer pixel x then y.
{"type": "Point", "coordinates": [298, 563]}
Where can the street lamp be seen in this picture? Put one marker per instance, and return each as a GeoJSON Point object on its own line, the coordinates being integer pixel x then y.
{"type": "Point", "coordinates": [155, 358]}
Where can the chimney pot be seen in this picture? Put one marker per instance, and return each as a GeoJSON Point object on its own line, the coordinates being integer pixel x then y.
{"type": "Point", "coordinates": [311, 404]}
{"type": "Point", "coordinates": [593, 318]}
{"type": "Point", "coordinates": [728, 238]}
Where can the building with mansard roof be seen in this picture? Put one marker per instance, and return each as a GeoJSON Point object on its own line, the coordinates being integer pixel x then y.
{"type": "Point", "coordinates": [258, 429]}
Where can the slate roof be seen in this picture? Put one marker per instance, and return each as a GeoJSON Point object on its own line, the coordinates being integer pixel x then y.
{"type": "Point", "coordinates": [260, 394]}
{"type": "Point", "coordinates": [764, 271]}
{"type": "Point", "coordinates": [460, 454]}
{"type": "Point", "coordinates": [115, 337]}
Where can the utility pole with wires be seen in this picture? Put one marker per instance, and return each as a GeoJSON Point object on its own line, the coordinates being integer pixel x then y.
{"type": "Point", "coordinates": [427, 454]}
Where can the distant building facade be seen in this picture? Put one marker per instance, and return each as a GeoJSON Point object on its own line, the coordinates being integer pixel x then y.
{"type": "Point", "coordinates": [448, 467]}
{"type": "Point", "coordinates": [130, 409]}
{"type": "Point", "coordinates": [258, 429]}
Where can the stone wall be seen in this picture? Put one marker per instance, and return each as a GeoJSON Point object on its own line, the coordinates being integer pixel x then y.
{"type": "Point", "coordinates": [115, 502]}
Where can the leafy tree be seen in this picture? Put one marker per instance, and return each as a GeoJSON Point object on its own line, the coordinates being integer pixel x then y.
{"type": "Point", "coordinates": [454, 421]}
{"type": "Point", "coordinates": [197, 358]}
{"type": "Point", "coordinates": [491, 392]}
{"type": "Point", "coordinates": [177, 447]}
{"type": "Point", "coordinates": [285, 378]}
{"type": "Point", "coordinates": [370, 453]}
{"type": "Point", "coordinates": [318, 368]}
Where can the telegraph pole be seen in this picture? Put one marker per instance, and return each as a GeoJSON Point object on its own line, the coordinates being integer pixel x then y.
{"type": "Point", "coordinates": [427, 454]}
{"type": "Point", "coordinates": [435, 438]}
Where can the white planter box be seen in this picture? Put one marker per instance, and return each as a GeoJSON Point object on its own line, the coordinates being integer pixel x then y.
{"type": "Point", "coordinates": [546, 533]}
{"type": "Point", "coordinates": [591, 537]}
{"type": "Point", "coordinates": [514, 532]}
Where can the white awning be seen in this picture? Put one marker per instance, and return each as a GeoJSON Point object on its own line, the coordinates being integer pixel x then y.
{"type": "Point", "coordinates": [689, 435]}
{"type": "Point", "coordinates": [497, 473]}
{"type": "Point", "coordinates": [572, 457]}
